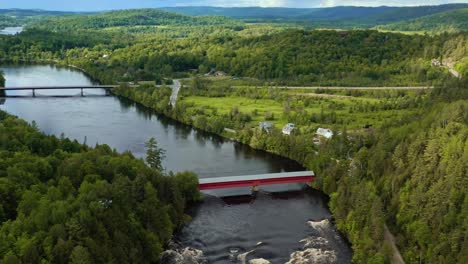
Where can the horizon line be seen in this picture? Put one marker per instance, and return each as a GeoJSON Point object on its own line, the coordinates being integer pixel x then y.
{"type": "Point", "coordinates": [225, 7]}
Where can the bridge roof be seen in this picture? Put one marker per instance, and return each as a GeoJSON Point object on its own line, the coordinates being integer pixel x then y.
{"type": "Point", "coordinates": [257, 177]}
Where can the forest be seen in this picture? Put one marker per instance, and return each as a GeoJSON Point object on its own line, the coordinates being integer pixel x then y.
{"type": "Point", "coordinates": [398, 158]}
{"type": "Point", "coordinates": [287, 57]}
{"type": "Point", "coordinates": [449, 21]}
{"type": "Point", "coordinates": [64, 202]}
{"type": "Point", "coordinates": [141, 17]}
{"type": "Point", "coordinates": [344, 17]}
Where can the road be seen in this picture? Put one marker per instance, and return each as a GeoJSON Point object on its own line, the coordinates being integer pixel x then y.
{"type": "Point", "coordinates": [175, 93]}
{"type": "Point", "coordinates": [353, 88]}
{"type": "Point", "coordinates": [396, 256]}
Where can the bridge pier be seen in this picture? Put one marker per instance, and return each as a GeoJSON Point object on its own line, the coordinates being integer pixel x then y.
{"type": "Point", "coordinates": [34, 92]}
{"type": "Point", "coordinates": [82, 94]}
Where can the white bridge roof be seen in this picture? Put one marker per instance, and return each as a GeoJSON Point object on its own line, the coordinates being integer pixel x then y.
{"type": "Point", "coordinates": [257, 177]}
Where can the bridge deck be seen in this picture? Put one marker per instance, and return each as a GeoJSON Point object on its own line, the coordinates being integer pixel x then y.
{"type": "Point", "coordinates": [57, 87]}
{"type": "Point", "coordinates": [256, 180]}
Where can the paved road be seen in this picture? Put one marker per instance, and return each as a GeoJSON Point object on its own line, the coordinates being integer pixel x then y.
{"type": "Point", "coordinates": [353, 88]}
{"type": "Point", "coordinates": [175, 93]}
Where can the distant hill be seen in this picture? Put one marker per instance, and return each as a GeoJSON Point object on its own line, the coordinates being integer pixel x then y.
{"type": "Point", "coordinates": [133, 17]}
{"type": "Point", "coordinates": [341, 15]}
{"type": "Point", "coordinates": [19, 17]}
{"type": "Point", "coordinates": [21, 13]}
{"type": "Point", "coordinates": [449, 21]}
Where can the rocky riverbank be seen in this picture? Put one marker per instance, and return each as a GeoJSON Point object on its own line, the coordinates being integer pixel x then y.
{"type": "Point", "coordinates": [317, 249]}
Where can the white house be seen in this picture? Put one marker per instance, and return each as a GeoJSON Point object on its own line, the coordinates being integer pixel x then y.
{"type": "Point", "coordinates": [325, 132]}
{"type": "Point", "coordinates": [288, 129]}
{"type": "Point", "coordinates": [267, 126]}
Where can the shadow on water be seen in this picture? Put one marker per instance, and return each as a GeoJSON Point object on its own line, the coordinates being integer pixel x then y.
{"type": "Point", "coordinates": [240, 228]}
{"type": "Point", "coordinates": [276, 163]}
{"type": "Point", "coordinates": [276, 216]}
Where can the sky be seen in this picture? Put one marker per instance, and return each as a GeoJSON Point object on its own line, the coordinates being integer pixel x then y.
{"type": "Point", "coordinates": [97, 5]}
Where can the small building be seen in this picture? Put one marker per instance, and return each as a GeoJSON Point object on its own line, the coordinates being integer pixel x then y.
{"type": "Point", "coordinates": [436, 62]}
{"type": "Point", "coordinates": [105, 56]}
{"type": "Point", "coordinates": [220, 74]}
{"type": "Point", "coordinates": [267, 126]}
{"type": "Point", "coordinates": [288, 128]}
{"type": "Point", "coordinates": [324, 132]}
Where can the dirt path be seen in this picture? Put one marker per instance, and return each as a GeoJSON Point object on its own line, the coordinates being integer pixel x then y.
{"type": "Point", "coordinates": [390, 239]}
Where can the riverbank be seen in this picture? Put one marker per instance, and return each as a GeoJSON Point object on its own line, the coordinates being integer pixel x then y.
{"type": "Point", "coordinates": [330, 159]}
{"type": "Point", "coordinates": [163, 106]}
{"type": "Point", "coordinates": [113, 121]}
{"type": "Point", "coordinates": [69, 186]}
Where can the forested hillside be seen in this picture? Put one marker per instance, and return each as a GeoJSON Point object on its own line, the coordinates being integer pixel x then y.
{"type": "Point", "coordinates": [341, 16]}
{"type": "Point", "coordinates": [356, 58]}
{"type": "Point", "coordinates": [293, 57]}
{"type": "Point", "coordinates": [413, 174]}
{"type": "Point", "coordinates": [20, 17]}
{"type": "Point", "coordinates": [63, 202]}
{"type": "Point", "coordinates": [450, 21]}
{"type": "Point", "coordinates": [398, 157]}
{"type": "Point", "coordinates": [137, 17]}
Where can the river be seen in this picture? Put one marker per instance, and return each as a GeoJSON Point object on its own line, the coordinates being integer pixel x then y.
{"type": "Point", "coordinates": [11, 30]}
{"type": "Point", "coordinates": [276, 219]}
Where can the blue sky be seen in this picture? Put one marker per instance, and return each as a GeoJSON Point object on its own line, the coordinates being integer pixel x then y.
{"type": "Point", "coordinates": [93, 5]}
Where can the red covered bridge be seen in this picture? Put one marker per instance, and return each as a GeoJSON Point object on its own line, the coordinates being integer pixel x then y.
{"type": "Point", "coordinates": [256, 180]}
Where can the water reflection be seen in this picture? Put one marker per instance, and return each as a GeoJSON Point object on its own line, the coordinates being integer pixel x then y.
{"type": "Point", "coordinates": [126, 126]}
{"type": "Point", "coordinates": [219, 227]}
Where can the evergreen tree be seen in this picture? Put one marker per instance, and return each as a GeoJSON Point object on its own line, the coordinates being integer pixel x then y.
{"type": "Point", "coordinates": [154, 154]}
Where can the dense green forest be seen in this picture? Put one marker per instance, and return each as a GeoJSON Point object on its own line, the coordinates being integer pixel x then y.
{"type": "Point", "coordinates": [398, 158]}
{"type": "Point", "coordinates": [290, 57]}
{"type": "Point", "coordinates": [20, 17]}
{"type": "Point", "coordinates": [63, 202]}
{"type": "Point", "coordinates": [140, 17]}
{"type": "Point", "coordinates": [332, 17]}
{"type": "Point", "coordinates": [327, 58]}
{"type": "Point", "coordinates": [450, 21]}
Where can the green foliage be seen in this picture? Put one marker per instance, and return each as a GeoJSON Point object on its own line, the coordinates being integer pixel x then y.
{"type": "Point", "coordinates": [62, 202]}
{"type": "Point", "coordinates": [414, 191]}
{"type": "Point", "coordinates": [334, 17]}
{"type": "Point", "coordinates": [449, 21]}
{"type": "Point", "coordinates": [2, 80]}
{"type": "Point", "coordinates": [135, 17]}
{"type": "Point", "coordinates": [154, 154]}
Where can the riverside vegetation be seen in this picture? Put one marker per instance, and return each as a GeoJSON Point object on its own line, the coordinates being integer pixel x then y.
{"type": "Point", "coordinates": [398, 158]}
{"type": "Point", "coordinates": [64, 202]}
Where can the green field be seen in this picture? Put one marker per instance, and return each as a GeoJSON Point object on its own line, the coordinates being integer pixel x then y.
{"type": "Point", "coordinates": [343, 108]}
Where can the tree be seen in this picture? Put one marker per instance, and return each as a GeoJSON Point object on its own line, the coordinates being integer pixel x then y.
{"type": "Point", "coordinates": [80, 255]}
{"type": "Point", "coordinates": [154, 154]}
{"type": "Point", "coordinates": [2, 84]}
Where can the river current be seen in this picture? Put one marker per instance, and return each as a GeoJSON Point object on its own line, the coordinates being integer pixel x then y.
{"type": "Point", "coordinates": [269, 225]}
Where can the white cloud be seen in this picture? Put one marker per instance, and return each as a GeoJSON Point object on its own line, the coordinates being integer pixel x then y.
{"type": "Point", "coordinates": [88, 5]}
{"type": "Point", "coordinates": [330, 3]}
{"type": "Point", "coordinates": [261, 3]}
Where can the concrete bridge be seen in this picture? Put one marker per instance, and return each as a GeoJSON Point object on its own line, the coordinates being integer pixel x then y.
{"type": "Point", "coordinates": [42, 88]}
{"type": "Point", "coordinates": [256, 180]}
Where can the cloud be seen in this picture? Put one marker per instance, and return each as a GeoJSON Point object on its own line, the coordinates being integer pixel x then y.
{"type": "Point", "coordinates": [88, 5]}
{"type": "Point", "coordinates": [330, 3]}
{"type": "Point", "coordinates": [262, 3]}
